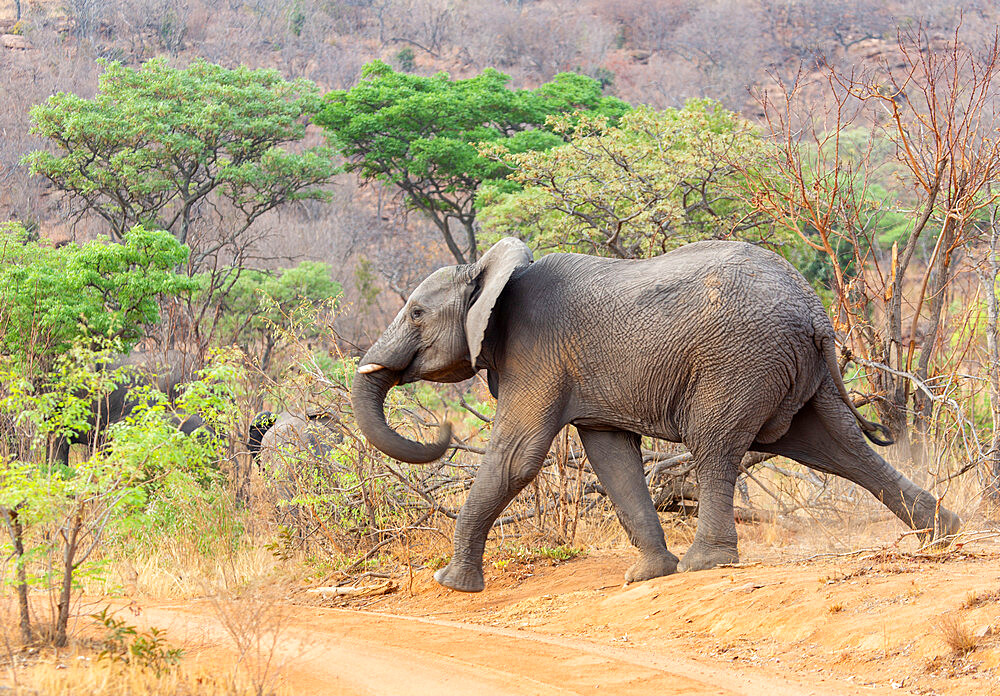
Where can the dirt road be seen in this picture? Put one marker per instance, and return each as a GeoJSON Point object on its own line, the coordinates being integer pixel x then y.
{"type": "Point", "coordinates": [342, 651]}
{"type": "Point", "coordinates": [866, 624]}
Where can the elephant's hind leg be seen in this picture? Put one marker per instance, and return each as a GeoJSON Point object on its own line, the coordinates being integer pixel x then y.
{"type": "Point", "coordinates": [825, 437]}
{"type": "Point", "coordinates": [617, 461]}
{"type": "Point", "coordinates": [715, 541]}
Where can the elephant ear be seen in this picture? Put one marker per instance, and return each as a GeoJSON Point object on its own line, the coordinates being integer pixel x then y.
{"type": "Point", "coordinates": [491, 274]}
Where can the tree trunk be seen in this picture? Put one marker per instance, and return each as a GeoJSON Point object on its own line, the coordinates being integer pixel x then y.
{"type": "Point", "coordinates": [66, 589]}
{"type": "Point", "coordinates": [16, 530]}
{"type": "Point", "coordinates": [892, 409]}
{"type": "Point", "coordinates": [988, 280]}
{"type": "Point", "coordinates": [442, 224]}
{"type": "Point", "coordinates": [470, 233]}
{"type": "Point", "coordinates": [939, 282]}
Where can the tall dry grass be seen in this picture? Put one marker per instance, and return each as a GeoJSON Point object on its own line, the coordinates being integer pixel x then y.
{"type": "Point", "coordinates": [73, 675]}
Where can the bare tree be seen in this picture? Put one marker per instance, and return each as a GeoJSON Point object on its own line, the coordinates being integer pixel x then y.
{"type": "Point", "coordinates": [152, 25]}
{"type": "Point", "coordinates": [540, 40]}
{"type": "Point", "coordinates": [989, 272]}
{"type": "Point", "coordinates": [87, 16]}
{"type": "Point", "coordinates": [645, 25]}
{"type": "Point", "coordinates": [934, 106]}
{"type": "Point", "coordinates": [814, 31]}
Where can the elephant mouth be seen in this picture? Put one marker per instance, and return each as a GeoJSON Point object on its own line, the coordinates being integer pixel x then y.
{"type": "Point", "coordinates": [411, 373]}
{"type": "Point", "coordinates": [404, 375]}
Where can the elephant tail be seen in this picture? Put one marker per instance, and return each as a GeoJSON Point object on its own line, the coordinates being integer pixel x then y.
{"type": "Point", "coordinates": [876, 432]}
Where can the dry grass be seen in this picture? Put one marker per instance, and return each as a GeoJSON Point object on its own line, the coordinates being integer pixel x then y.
{"type": "Point", "coordinates": [252, 619]}
{"type": "Point", "coordinates": [978, 598]}
{"type": "Point", "coordinates": [72, 677]}
{"type": "Point", "coordinates": [956, 634]}
{"type": "Point", "coordinates": [176, 569]}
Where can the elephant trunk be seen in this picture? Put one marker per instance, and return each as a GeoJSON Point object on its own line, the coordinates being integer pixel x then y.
{"type": "Point", "coordinates": [368, 398]}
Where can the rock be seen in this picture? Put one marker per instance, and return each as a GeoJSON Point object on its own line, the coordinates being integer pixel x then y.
{"type": "Point", "coordinates": [15, 42]}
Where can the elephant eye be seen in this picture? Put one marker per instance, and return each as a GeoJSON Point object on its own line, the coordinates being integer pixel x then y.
{"type": "Point", "coordinates": [416, 313]}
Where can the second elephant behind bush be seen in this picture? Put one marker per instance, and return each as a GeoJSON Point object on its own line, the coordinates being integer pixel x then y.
{"type": "Point", "coordinates": [286, 444]}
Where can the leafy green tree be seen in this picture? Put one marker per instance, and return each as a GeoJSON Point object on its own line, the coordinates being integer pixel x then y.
{"type": "Point", "coordinates": [56, 516]}
{"type": "Point", "coordinates": [52, 297]}
{"type": "Point", "coordinates": [419, 134]}
{"type": "Point", "coordinates": [653, 182]}
{"type": "Point", "coordinates": [168, 148]}
{"type": "Point", "coordinates": [260, 301]}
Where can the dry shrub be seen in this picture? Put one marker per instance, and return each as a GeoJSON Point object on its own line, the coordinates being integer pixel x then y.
{"type": "Point", "coordinates": [156, 574]}
{"type": "Point", "coordinates": [977, 598]}
{"type": "Point", "coordinates": [255, 619]}
{"type": "Point", "coordinates": [220, 544]}
{"type": "Point", "coordinates": [956, 634]}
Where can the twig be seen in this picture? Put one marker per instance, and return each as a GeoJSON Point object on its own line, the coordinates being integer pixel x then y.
{"type": "Point", "coordinates": [386, 542]}
{"type": "Point", "coordinates": [956, 541]}
{"type": "Point", "coordinates": [912, 532]}
{"type": "Point", "coordinates": [848, 554]}
{"type": "Point", "coordinates": [966, 428]}
{"type": "Point", "coordinates": [470, 409]}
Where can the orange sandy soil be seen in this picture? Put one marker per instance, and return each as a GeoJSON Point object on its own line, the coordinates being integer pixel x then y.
{"type": "Point", "coordinates": [864, 624]}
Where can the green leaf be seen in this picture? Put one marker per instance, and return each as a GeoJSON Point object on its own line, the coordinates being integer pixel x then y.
{"type": "Point", "coordinates": [420, 134]}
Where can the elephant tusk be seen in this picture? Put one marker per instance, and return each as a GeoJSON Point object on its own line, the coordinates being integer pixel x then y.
{"type": "Point", "coordinates": [370, 367]}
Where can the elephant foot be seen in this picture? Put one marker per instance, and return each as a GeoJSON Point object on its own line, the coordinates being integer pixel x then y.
{"type": "Point", "coordinates": [947, 523]}
{"type": "Point", "coordinates": [463, 578]}
{"type": "Point", "coordinates": [652, 565]}
{"type": "Point", "coordinates": [702, 556]}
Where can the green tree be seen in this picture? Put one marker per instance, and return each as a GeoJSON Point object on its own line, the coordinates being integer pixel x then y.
{"type": "Point", "coordinates": [653, 182]}
{"type": "Point", "coordinates": [169, 148]}
{"type": "Point", "coordinates": [420, 133]}
{"type": "Point", "coordinates": [56, 516]}
{"type": "Point", "coordinates": [52, 297]}
{"type": "Point", "coordinates": [260, 301]}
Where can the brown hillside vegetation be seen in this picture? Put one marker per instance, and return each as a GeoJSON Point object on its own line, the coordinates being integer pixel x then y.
{"type": "Point", "coordinates": [657, 53]}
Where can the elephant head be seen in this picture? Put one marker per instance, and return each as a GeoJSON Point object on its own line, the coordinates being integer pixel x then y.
{"type": "Point", "coordinates": [437, 335]}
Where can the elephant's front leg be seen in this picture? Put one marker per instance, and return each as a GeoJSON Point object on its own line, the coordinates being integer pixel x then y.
{"type": "Point", "coordinates": [617, 460]}
{"type": "Point", "coordinates": [510, 463]}
{"type": "Point", "coordinates": [715, 540]}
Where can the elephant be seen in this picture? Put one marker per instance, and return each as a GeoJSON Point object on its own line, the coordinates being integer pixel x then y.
{"type": "Point", "coordinates": [722, 346]}
{"type": "Point", "coordinates": [190, 423]}
{"type": "Point", "coordinates": [274, 441]}
{"type": "Point", "coordinates": [163, 371]}
{"type": "Point", "coordinates": [316, 432]}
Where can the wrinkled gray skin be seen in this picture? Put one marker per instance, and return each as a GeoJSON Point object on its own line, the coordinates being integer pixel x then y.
{"type": "Point", "coordinates": [275, 441]}
{"type": "Point", "coordinates": [315, 433]}
{"type": "Point", "coordinates": [165, 371]}
{"type": "Point", "coordinates": [722, 346]}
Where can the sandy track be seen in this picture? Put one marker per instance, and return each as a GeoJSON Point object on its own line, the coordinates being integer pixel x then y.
{"type": "Point", "coordinates": [338, 651]}
{"type": "Point", "coordinates": [861, 624]}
